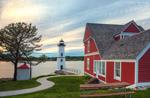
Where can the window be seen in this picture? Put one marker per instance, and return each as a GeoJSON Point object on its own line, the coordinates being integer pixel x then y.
{"type": "Point", "coordinates": [88, 63]}
{"type": "Point", "coordinates": [61, 54]}
{"type": "Point", "coordinates": [61, 60]}
{"type": "Point", "coordinates": [95, 64]}
{"type": "Point", "coordinates": [117, 70]}
{"type": "Point", "coordinates": [102, 68]}
{"type": "Point", "coordinates": [88, 46]}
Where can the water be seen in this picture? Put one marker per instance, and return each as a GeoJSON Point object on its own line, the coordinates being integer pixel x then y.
{"type": "Point", "coordinates": [7, 69]}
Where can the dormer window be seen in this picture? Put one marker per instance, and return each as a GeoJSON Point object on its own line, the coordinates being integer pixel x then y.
{"type": "Point", "coordinates": [117, 37]}
{"type": "Point", "coordinates": [88, 46]}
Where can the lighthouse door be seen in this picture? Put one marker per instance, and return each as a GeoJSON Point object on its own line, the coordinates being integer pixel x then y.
{"type": "Point", "coordinates": [61, 67]}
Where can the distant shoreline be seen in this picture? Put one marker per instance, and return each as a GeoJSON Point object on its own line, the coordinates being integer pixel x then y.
{"type": "Point", "coordinates": [68, 58]}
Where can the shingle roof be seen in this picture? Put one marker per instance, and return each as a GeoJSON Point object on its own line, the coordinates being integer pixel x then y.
{"type": "Point", "coordinates": [128, 48]}
{"type": "Point", "coordinates": [103, 35]}
{"type": "Point", "coordinates": [123, 49]}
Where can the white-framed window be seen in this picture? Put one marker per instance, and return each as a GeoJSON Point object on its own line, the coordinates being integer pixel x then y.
{"type": "Point", "coordinates": [88, 46]}
{"type": "Point", "coordinates": [117, 71]}
{"type": "Point", "coordinates": [95, 64]}
{"type": "Point", "coordinates": [102, 68]}
{"type": "Point", "coordinates": [88, 63]}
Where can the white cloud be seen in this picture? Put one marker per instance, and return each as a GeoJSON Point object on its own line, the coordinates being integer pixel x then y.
{"type": "Point", "coordinates": [69, 36]}
{"type": "Point", "coordinates": [22, 10]}
{"type": "Point", "coordinates": [66, 19]}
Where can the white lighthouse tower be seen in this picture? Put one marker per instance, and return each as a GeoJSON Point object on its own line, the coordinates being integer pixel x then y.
{"type": "Point", "coordinates": [61, 55]}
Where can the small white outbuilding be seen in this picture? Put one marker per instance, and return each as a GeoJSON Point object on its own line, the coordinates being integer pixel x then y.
{"type": "Point", "coordinates": [23, 72]}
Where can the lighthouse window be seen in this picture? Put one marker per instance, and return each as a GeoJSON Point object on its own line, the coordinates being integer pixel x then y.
{"type": "Point", "coordinates": [61, 54]}
{"type": "Point", "coordinates": [61, 60]}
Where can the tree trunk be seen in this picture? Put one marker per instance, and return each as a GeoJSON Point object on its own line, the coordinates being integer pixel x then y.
{"type": "Point", "coordinates": [30, 71]}
{"type": "Point", "coordinates": [15, 71]}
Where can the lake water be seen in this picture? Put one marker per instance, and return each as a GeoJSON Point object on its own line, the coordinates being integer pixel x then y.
{"type": "Point", "coordinates": [7, 68]}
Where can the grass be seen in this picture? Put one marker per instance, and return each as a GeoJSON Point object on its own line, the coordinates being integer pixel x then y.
{"type": "Point", "coordinates": [138, 94]}
{"type": "Point", "coordinates": [16, 85]}
{"type": "Point", "coordinates": [68, 87]}
{"type": "Point", "coordinates": [65, 87]}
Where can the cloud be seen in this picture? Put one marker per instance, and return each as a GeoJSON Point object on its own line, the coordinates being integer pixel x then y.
{"type": "Point", "coordinates": [66, 19]}
{"type": "Point", "coordinates": [73, 40]}
{"type": "Point", "coordinates": [22, 10]}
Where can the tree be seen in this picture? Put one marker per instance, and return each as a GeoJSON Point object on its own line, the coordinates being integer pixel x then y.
{"type": "Point", "coordinates": [43, 58]}
{"type": "Point", "coordinates": [19, 40]}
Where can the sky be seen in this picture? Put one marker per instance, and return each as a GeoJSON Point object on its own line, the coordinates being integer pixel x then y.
{"type": "Point", "coordinates": [66, 19]}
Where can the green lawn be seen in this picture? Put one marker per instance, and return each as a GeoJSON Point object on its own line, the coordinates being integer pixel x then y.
{"type": "Point", "coordinates": [139, 94]}
{"type": "Point", "coordinates": [68, 87]}
{"type": "Point", "coordinates": [65, 87]}
{"type": "Point", "coordinates": [15, 85]}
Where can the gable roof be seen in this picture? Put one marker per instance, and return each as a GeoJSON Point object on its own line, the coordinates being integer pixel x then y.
{"type": "Point", "coordinates": [129, 23]}
{"type": "Point", "coordinates": [24, 66]}
{"type": "Point", "coordinates": [127, 48]}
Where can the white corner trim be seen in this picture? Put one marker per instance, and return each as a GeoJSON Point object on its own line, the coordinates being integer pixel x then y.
{"type": "Point", "coordinates": [136, 72]}
{"type": "Point", "coordinates": [140, 55]}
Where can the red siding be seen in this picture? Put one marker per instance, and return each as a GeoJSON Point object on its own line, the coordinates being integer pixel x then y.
{"type": "Point", "coordinates": [132, 28]}
{"type": "Point", "coordinates": [127, 72]}
{"type": "Point", "coordinates": [110, 72]}
{"type": "Point", "coordinates": [92, 58]}
{"type": "Point", "coordinates": [93, 47]}
{"type": "Point", "coordinates": [144, 68]}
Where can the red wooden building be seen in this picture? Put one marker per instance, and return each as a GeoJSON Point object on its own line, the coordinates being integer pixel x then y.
{"type": "Point", "coordinates": [117, 53]}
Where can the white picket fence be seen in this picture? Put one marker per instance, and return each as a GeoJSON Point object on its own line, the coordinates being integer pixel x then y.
{"type": "Point", "coordinates": [76, 71]}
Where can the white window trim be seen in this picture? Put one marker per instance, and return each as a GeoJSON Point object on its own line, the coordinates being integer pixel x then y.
{"type": "Point", "coordinates": [116, 77]}
{"type": "Point", "coordinates": [95, 62]}
{"type": "Point", "coordinates": [101, 69]}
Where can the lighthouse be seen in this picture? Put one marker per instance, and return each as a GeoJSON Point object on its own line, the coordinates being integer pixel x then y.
{"type": "Point", "coordinates": [61, 55]}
